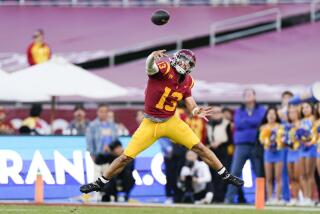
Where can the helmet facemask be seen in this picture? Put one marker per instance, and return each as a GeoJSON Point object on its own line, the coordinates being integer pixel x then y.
{"type": "Point", "coordinates": [183, 63]}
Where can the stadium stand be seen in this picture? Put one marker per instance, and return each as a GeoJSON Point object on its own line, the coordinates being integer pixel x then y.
{"type": "Point", "coordinates": [248, 61]}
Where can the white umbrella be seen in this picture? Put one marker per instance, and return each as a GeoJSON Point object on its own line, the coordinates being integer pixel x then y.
{"type": "Point", "coordinates": [57, 77]}
{"type": "Point", "coordinates": [11, 90]}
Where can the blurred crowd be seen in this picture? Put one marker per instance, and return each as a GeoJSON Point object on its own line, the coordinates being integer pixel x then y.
{"type": "Point", "coordinates": [281, 142]}
{"type": "Point", "coordinates": [36, 124]}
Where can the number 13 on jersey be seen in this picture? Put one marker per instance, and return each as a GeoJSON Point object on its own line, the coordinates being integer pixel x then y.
{"type": "Point", "coordinates": [161, 103]}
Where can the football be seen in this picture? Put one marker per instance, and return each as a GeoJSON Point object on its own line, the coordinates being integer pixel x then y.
{"type": "Point", "coordinates": [160, 17]}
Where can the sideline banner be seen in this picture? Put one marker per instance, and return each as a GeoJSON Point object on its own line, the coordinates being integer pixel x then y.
{"type": "Point", "coordinates": [65, 165]}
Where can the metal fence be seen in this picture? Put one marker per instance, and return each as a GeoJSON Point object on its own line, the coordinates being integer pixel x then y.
{"type": "Point", "coordinates": [134, 3]}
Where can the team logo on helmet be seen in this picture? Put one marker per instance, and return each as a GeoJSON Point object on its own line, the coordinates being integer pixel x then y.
{"type": "Point", "coordinates": [184, 61]}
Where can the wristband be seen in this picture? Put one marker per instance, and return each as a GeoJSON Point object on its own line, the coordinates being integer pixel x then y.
{"type": "Point", "coordinates": [194, 110]}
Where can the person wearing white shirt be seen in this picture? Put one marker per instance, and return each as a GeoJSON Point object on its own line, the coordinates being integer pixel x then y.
{"type": "Point", "coordinates": [199, 174]}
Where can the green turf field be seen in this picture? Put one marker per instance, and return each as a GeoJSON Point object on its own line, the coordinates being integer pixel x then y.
{"type": "Point", "coordinates": [10, 209]}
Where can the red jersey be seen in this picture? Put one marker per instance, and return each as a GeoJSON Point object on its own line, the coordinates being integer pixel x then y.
{"type": "Point", "coordinates": [164, 91]}
{"type": "Point", "coordinates": [38, 53]}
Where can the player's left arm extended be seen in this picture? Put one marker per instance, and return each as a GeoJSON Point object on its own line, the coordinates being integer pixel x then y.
{"type": "Point", "coordinates": [196, 110]}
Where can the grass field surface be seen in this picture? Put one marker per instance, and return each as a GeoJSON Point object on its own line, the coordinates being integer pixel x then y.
{"type": "Point", "coordinates": [212, 209]}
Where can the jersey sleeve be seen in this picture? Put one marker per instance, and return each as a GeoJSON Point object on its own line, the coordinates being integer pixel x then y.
{"type": "Point", "coordinates": [190, 86]}
{"type": "Point", "coordinates": [29, 55]}
{"type": "Point", "coordinates": [163, 66]}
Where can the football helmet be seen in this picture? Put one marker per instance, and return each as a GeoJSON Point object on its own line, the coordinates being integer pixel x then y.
{"type": "Point", "coordinates": [183, 61]}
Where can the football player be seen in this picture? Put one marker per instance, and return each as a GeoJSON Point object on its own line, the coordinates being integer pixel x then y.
{"type": "Point", "coordinates": [169, 82]}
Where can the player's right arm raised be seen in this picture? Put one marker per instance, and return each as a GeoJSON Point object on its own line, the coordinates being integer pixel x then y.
{"type": "Point", "coordinates": [151, 66]}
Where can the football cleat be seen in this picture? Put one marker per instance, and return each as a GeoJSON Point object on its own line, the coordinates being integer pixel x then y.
{"type": "Point", "coordinates": [231, 179]}
{"type": "Point", "coordinates": [95, 186]}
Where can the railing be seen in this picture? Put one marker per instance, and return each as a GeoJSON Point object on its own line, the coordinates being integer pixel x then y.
{"type": "Point", "coordinates": [144, 45]}
{"type": "Point", "coordinates": [144, 3]}
{"type": "Point", "coordinates": [215, 27]}
{"type": "Point", "coordinates": [241, 21]}
{"type": "Point", "coordinates": [15, 61]}
{"type": "Point", "coordinates": [314, 16]}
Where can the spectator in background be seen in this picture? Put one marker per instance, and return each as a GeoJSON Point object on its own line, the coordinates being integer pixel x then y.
{"type": "Point", "coordinates": [283, 109]}
{"type": "Point", "coordinates": [308, 153]}
{"type": "Point", "coordinates": [5, 127]}
{"type": "Point", "coordinates": [198, 125]}
{"type": "Point", "coordinates": [124, 181]}
{"type": "Point", "coordinates": [99, 135]}
{"type": "Point", "coordinates": [273, 155]}
{"type": "Point", "coordinates": [292, 143]}
{"type": "Point", "coordinates": [317, 138]}
{"type": "Point", "coordinates": [219, 139]}
{"type": "Point", "coordinates": [283, 114]}
{"type": "Point", "coordinates": [79, 124]}
{"type": "Point", "coordinates": [34, 123]}
{"type": "Point", "coordinates": [247, 120]}
{"type": "Point", "coordinates": [121, 129]}
{"type": "Point", "coordinates": [227, 114]}
{"type": "Point", "coordinates": [195, 180]}
{"type": "Point", "coordinates": [25, 130]}
{"type": "Point", "coordinates": [38, 51]}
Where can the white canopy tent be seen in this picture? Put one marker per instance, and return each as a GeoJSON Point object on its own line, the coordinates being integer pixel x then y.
{"type": "Point", "coordinates": [57, 77]}
{"type": "Point", "coordinates": [11, 90]}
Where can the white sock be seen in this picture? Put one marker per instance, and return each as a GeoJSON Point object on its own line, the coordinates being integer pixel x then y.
{"type": "Point", "coordinates": [103, 180]}
{"type": "Point", "coordinates": [221, 171]}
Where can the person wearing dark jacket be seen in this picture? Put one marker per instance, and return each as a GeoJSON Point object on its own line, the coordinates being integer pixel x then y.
{"type": "Point", "coordinates": [123, 182]}
{"type": "Point", "coordinates": [247, 120]}
{"type": "Point", "coordinates": [219, 134]}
